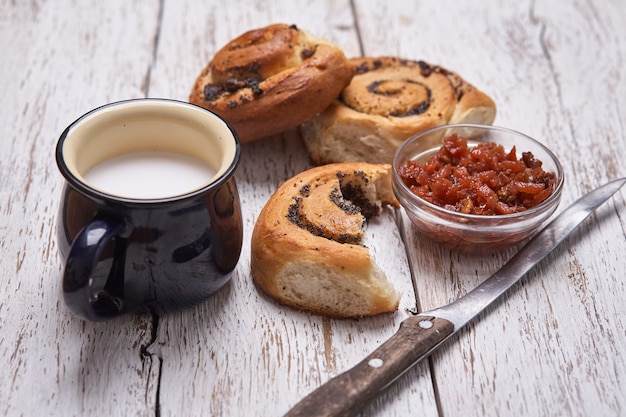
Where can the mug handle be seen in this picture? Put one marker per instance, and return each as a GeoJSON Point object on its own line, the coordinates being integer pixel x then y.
{"type": "Point", "coordinates": [78, 279]}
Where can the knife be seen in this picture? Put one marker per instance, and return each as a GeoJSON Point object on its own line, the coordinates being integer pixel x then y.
{"type": "Point", "coordinates": [421, 334]}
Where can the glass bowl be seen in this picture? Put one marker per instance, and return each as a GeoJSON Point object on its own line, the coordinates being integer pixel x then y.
{"type": "Point", "coordinates": [474, 233]}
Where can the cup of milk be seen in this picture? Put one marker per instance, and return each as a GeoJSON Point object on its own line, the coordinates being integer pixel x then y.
{"type": "Point", "coordinates": [150, 218]}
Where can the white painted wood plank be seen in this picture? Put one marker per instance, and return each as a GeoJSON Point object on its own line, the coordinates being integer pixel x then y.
{"type": "Point", "coordinates": [244, 354]}
{"type": "Point", "coordinates": [552, 347]}
{"type": "Point", "coordinates": [60, 60]}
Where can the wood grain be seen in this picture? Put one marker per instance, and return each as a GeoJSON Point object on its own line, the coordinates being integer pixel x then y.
{"type": "Point", "coordinates": [298, 350]}
{"type": "Point", "coordinates": [349, 392]}
{"type": "Point", "coordinates": [550, 348]}
{"type": "Point", "coordinates": [553, 346]}
{"type": "Point", "coordinates": [54, 363]}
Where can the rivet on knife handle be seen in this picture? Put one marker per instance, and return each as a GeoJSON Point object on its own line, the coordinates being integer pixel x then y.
{"type": "Point", "coordinates": [348, 393]}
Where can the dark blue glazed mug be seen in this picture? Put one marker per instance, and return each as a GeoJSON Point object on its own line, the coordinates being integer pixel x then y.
{"type": "Point", "coordinates": [150, 218]}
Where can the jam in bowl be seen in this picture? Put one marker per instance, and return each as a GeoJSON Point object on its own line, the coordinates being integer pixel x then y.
{"type": "Point", "coordinates": [476, 188]}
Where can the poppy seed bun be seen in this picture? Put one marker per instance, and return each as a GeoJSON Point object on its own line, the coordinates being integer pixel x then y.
{"type": "Point", "coordinates": [271, 79]}
{"type": "Point", "coordinates": [307, 243]}
{"type": "Point", "coordinates": [388, 101]}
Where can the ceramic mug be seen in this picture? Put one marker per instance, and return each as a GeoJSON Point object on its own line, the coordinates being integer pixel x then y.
{"type": "Point", "coordinates": [150, 218]}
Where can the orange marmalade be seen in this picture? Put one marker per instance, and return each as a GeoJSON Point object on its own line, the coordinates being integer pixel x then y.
{"type": "Point", "coordinates": [483, 179]}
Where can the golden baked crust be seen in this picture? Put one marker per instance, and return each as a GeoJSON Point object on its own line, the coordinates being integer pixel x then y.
{"type": "Point", "coordinates": [307, 247]}
{"type": "Point", "coordinates": [271, 79]}
{"type": "Point", "coordinates": [389, 100]}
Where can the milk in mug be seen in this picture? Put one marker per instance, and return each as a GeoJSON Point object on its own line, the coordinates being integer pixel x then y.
{"type": "Point", "coordinates": [150, 175]}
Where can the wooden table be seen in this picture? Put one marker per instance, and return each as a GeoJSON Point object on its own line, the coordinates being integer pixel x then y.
{"type": "Point", "coordinates": [554, 346]}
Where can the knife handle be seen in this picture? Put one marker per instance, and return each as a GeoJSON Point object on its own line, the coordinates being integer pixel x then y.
{"type": "Point", "coordinates": [349, 392]}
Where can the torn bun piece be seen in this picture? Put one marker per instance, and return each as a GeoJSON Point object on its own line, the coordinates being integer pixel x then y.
{"type": "Point", "coordinates": [271, 79]}
{"type": "Point", "coordinates": [307, 244]}
{"type": "Point", "coordinates": [388, 101]}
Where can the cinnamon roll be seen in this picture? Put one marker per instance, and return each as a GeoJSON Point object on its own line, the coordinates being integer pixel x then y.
{"type": "Point", "coordinates": [389, 100]}
{"type": "Point", "coordinates": [271, 79]}
{"type": "Point", "coordinates": [307, 244]}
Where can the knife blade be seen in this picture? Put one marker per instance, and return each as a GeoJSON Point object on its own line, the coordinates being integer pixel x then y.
{"type": "Point", "coordinates": [421, 334]}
